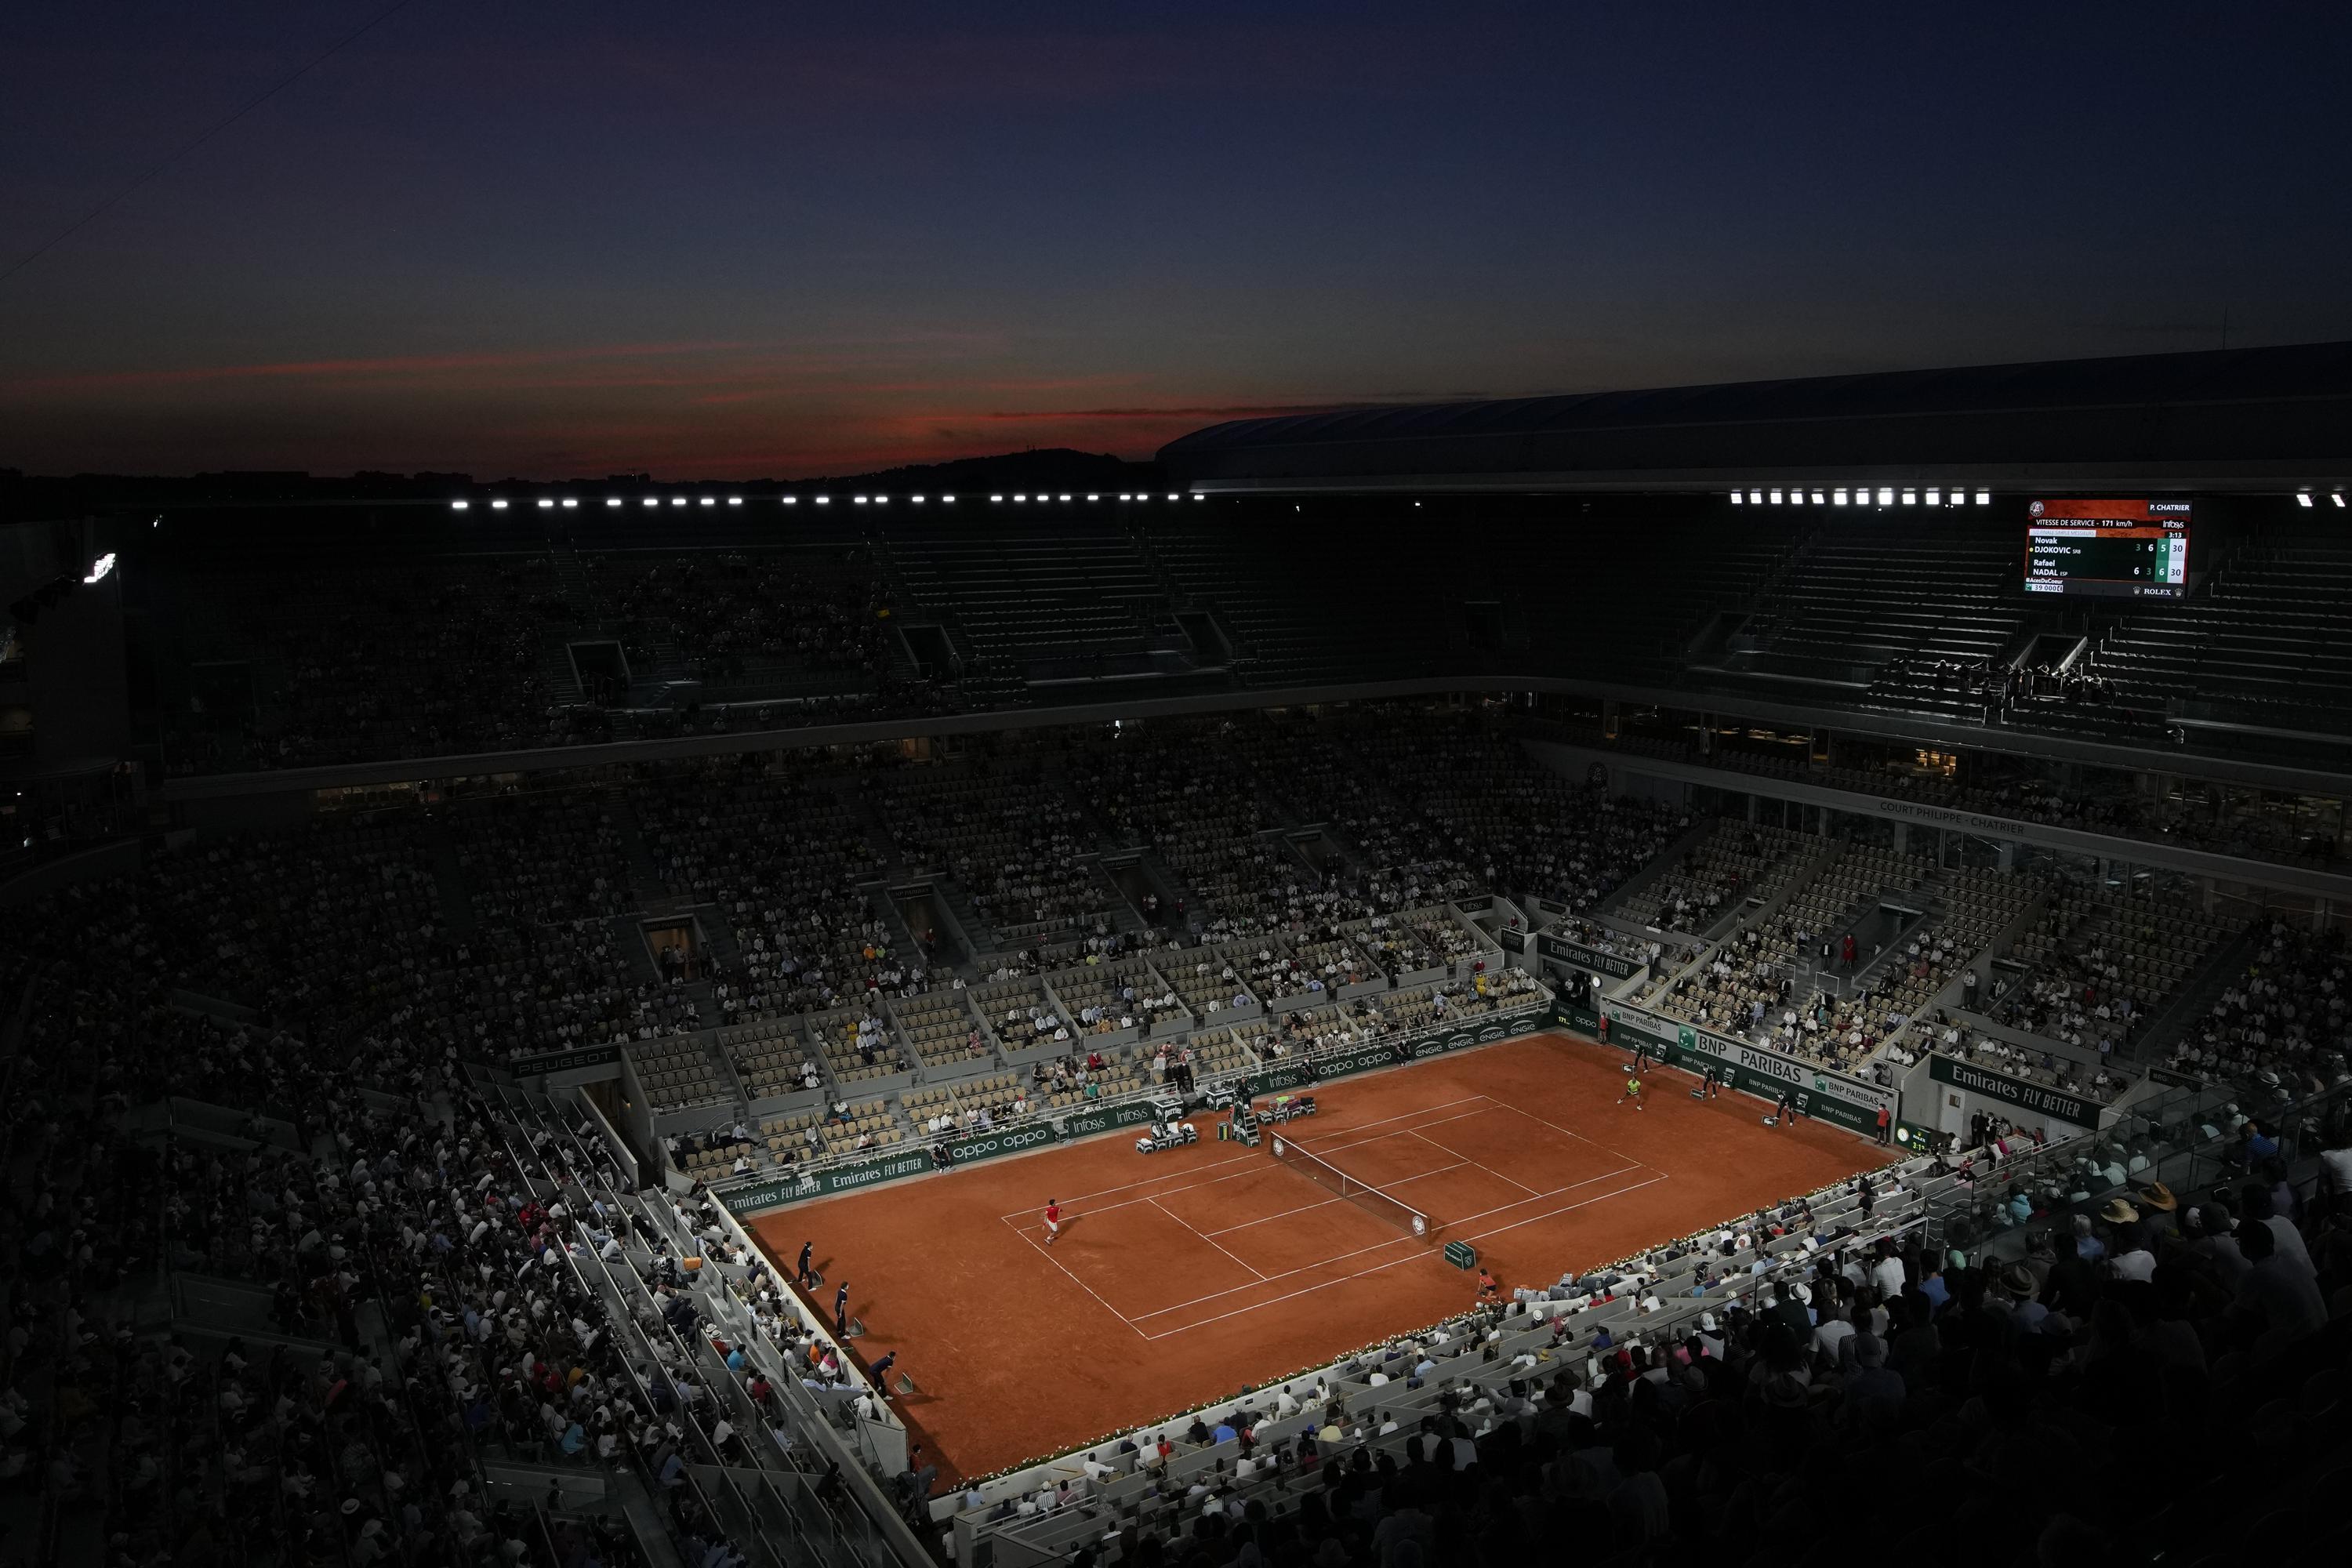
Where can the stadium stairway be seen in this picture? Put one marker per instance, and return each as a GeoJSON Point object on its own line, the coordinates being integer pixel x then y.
{"type": "Point", "coordinates": [884, 908]}
{"type": "Point", "coordinates": [449, 879]}
{"type": "Point", "coordinates": [1126, 920]}
{"type": "Point", "coordinates": [1661, 865]}
{"type": "Point", "coordinates": [2195, 998]}
{"type": "Point", "coordinates": [645, 885]}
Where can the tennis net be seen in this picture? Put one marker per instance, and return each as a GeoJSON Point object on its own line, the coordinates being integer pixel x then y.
{"type": "Point", "coordinates": [1362, 1194]}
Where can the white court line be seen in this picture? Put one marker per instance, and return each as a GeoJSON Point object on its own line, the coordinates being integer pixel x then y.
{"type": "Point", "coordinates": [1047, 1254]}
{"type": "Point", "coordinates": [1125, 1186]}
{"type": "Point", "coordinates": [1229, 1159]}
{"type": "Point", "coordinates": [1581, 1138]}
{"type": "Point", "coordinates": [1336, 1148]}
{"type": "Point", "coordinates": [1255, 1165]}
{"type": "Point", "coordinates": [1460, 1160]}
{"type": "Point", "coordinates": [1254, 1273]}
{"type": "Point", "coordinates": [1285, 1214]}
{"type": "Point", "coordinates": [1378, 1268]}
{"type": "Point", "coordinates": [1392, 1241]}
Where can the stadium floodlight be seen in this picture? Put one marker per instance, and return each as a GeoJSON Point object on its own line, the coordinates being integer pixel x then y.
{"type": "Point", "coordinates": [1935, 497]}
{"type": "Point", "coordinates": [2337, 497]}
{"type": "Point", "coordinates": [917, 499]}
{"type": "Point", "coordinates": [1066, 498]}
{"type": "Point", "coordinates": [947, 501]}
{"type": "Point", "coordinates": [1839, 497]}
{"type": "Point", "coordinates": [1173, 496]}
{"type": "Point", "coordinates": [96, 574]}
{"type": "Point", "coordinates": [501, 506]}
{"type": "Point", "coordinates": [1886, 498]}
{"type": "Point", "coordinates": [545, 504]}
{"type": "Point", "coordinates": [1094, 498]}
{"type": "Point", "coordinates": [709, 501]}
{"type": "Point", "coordinates": [1198, 495]}
{"type": "Point", "coordinates": [825, 501]}
{"type": "Point", "coordinates": [1755, 498]}
{"type": "Point", "coordinates": [677, 500]}
{"type": "Point", "coordinates": [734, 500]}
{"type": "Point", "coordinates": [792, 501]}
{"type": "Point", "coordinates": [460, 505]}
{"type": "Point", "coordinates": [1738, 498]}
{"type": "Point", "coordinates": [612, 500]}
{"type": "Point", "coordinates": [1910, 498]}
{"type": "Point", "coordinates": [1817, 498]}
{"type": "Point", "coordinates": [572, 503]}
{"type": "Point", "coordinates": [996, 498]}
{"type": "Point", "coordinates": [653, 500]}
{"type": "Point", "coordinates": [1127, 495]}
{"type": "Point", "coordinates": [1776, 497]}
{"type": "Point", "coordinates": [2302, 498]}
{"type": "Point", "coordinates": [860, 499]}
{"type": "Point", "coordinates": [1984, 498]}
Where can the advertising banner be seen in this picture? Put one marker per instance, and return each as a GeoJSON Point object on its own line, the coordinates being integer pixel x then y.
{"type": "Point", "coordinates": [2033, 1097]}
{"type": "Point", "coordinates": [1086, 1123]}
{"type": "Point", "coordinates": [566, 1061]}
{"type": "Point", "coordinates": [1004, 1140]}
{"type": "Point", "coordinates": [757, 1195]}
{"type": "Point", "coordinates": [1592, 958]}
{"type": "Point", "coordinates": [1819, 1093]}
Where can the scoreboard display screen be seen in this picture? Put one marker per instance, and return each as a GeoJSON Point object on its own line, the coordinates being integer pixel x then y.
{"type": "Point", "coordinates": [2115, 549]}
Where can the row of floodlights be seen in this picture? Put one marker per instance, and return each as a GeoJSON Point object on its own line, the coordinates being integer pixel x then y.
{"type": "Point", "coordinates": [550, 502]}
{"type": "Point", "coordinates": [2302, 498]}
{"type": "Point", "coordinates": [1937, 496]}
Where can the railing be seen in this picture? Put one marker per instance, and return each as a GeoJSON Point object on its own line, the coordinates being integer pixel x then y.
{"type": "Point", "coordinates": [855, 1533]}
{"type": "Point", "coordinates": [2188, 1161]}
{"type": "Point", "coordinates": [1202, 1087]}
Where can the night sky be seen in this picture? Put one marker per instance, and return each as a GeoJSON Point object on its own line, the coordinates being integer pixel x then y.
{"type": "Point", "coordinates": [738, 240]}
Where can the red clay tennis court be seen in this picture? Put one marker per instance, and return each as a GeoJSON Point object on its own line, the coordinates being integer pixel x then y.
{"type": "Point", "coordinates": [1181, 1276]}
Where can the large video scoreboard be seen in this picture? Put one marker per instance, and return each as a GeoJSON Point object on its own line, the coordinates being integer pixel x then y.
{"type": "Point", "coordinates": [2117, 549]}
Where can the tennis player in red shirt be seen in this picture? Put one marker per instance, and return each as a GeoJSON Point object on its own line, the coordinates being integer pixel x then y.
{"type": "Point", "coordinates": [1053, 1220]}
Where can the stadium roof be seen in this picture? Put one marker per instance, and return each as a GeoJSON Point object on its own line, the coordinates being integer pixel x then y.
{"type": "Point", "coordinates": [2232, 419]}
